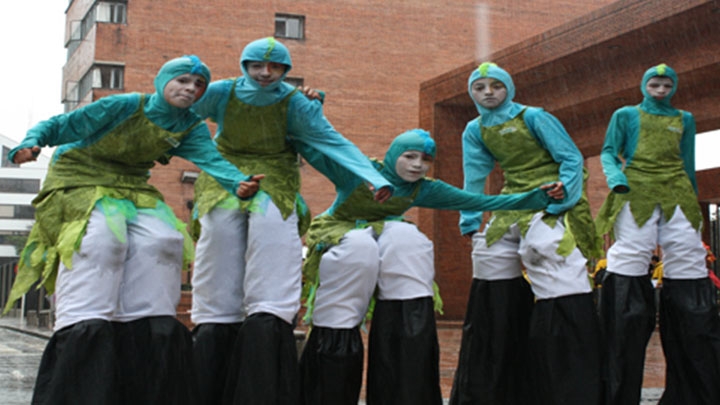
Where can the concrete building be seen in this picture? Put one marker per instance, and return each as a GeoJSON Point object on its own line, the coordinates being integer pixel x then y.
{"type": "Point", "coordinates": [18, 186]}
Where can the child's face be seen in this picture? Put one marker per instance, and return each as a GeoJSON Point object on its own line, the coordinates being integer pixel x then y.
{"type": "Point", "coordinates": [659, 87]}
{"type": "Point", "coordinates": [412, 165]}
{"type": "Point", "coordinates": [489, 92]}
{"type": "Point", "coordinates": [182, 91]}
{"type": "Point", "coordinates": [265, 73]}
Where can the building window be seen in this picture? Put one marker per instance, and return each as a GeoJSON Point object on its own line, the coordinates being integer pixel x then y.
{"type": "Point", "coordinates": [295, 81]}
{"type": "Point", "coordinates": [111, 12]}
{"type": "Point", "coordinates": [101, 77]}
{"type": "Point", "coordinates": [290, 26]}
{"type": "Point", "coordinates": [103, 11]}
{"type": "Point", "coordinates": [17, 211]}
{"type": "Point", "coordinates": [5, 161]}
{"type": "Point", "coordinates": [23, 186]}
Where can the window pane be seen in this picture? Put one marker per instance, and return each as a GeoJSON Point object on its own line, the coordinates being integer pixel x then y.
{"type": "Point", "coordinates": [102, 12]}
{"type": "Point", "coordinates": [280, 27]}
{"type": "Point", "coordinates": [293, 28]}
{"type": "Point", "coordinates": [97, 78]}
{"type": "Point", "coordinates": [25, 186]}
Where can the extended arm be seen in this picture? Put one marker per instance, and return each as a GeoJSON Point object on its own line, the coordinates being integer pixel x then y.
{"type": "Point", "coordinates": [198, 148]}
{"type": "Point", "coordinates": [87, 122]}
{"type": "Point", "coordinates": [440, 195]}
{"type": "Point", "coordinates": [308, 125]}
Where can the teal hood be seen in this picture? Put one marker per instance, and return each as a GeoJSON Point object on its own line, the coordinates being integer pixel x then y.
{"type": "Point", "coordinates": [265, 50]}
{"type": "Point", "coordinates": [414, 139]}
{"type": "Point", "coordinates": [157, 109]}
{"type": "Point", "coordinates": [505, 111]}
{"type": "Point", "coordinates": [651, 105]}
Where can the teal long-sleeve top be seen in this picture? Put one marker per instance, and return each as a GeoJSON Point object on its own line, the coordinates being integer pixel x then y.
{"type": "Point", "coordinates": [432, 193]}
{"type": "Point", "coordinates": [621, 140]}
{"type": "Point", "coordinates": [478, 162]}
{"type": "Point", "coordinates": [306, 123]}
{"type": "Point", "coordinates": [87, 125]}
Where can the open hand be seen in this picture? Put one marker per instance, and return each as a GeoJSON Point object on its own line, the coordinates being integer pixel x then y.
{"type": "Point", "coordinates": [248, 188]}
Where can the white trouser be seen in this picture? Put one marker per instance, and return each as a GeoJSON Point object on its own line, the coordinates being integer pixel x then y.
{"type": "Point", "coordinates": [118, 281]}
{"type": "Point", "coordinates": [246, 263]}
{"type": "Point", "coordinates": [551, 275]}
{"type": "Point", "coordinates": [682, 249]}
{"type": "Point", "coordinates": [399, 262]}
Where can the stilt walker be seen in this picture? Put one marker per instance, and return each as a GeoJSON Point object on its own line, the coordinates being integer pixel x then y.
{"type": "Point", "coordinates": [514, 351]}
{"type": "Point", "coordinates": [359, 249]}
{"type": "Point", "coordinates": [109, 247]}
{"type": "Point", "coordinates": [649, 161]}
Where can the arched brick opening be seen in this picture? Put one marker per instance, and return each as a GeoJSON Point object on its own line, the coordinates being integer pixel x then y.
{"type": "Point", "coordinates": [580, 72]}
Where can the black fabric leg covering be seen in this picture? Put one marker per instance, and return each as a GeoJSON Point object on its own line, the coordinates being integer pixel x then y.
{"type": "Point", "coordinates": [212, 345]}
{"type": "Point", "coordinates": [565, 351]}
{"type": "Point", "coordinates": [690, 334]}
{"type": "Point", "coordinates": [403, 354]}
{"type": "Point", "coordinates": [492, 363]}
{"type": "Point", "coordinates": [78, 366]}
{"type": "Point", "coordinates": [627, 315]}
{"type": "Point", "coordinates": [264, 365]}
{"type": "Point", "coordinates": [331, 367]}
{"type": "Point", "coordinates": [155, 363]}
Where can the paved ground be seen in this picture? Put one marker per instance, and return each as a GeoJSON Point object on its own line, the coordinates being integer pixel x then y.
{"type": "Point", "coordinates": [19, 358]}
{"type": "Point", "coordinates": [21, 348]}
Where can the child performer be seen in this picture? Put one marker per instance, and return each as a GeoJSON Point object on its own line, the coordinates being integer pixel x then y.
{"type": "Point", "coordinates": [359, 247]}
{"type": "Point", "coordinates": [516, 348]}
{"type": "Point", "coordinates": [247, 276]}
{"type": "Point", "coordinates": [649, 162]}
{"type": "Point", "coordinates": [110, 248]}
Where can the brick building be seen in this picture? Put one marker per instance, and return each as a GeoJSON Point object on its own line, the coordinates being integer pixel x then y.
{"type": "Point", "coordinates": [370, 56]}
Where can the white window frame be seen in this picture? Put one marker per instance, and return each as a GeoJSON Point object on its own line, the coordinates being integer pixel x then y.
{"type": "Point", "coordinates": [290, 26]}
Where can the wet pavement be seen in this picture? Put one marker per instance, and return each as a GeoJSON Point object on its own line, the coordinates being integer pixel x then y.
{"type": "Point", "coordinates": [19, 359]}
{"type": "Point", "coordinates": [21, 348]}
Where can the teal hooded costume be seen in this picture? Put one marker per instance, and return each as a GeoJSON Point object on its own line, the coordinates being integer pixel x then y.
{"type": "Point", "coordinates": [649, 162]}
{"type": "Point", "coordinates": [331, 364]}
{"type": "Point", "coordinates": [543, 153]}
{"type": "Point", "coordinates": [104, 156]}
{"type": "Point", "coordinates": [101, 168]}
{"type": "Point", "coordinates": [518, 348]}
{"type": "Point", "coordinates": [654, 172]}
{"type": "Point", "coordinates": [259, 129]}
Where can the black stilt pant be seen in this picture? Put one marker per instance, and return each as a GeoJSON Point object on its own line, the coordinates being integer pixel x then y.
{"type": "Point", "coordinates": [690, 334]}
{"type": "Point", "coordinates": [492, 366]}
{"type": "Point", "coordinates": [212, 345]}
{"type": "Point", "coordinates": [264, 364]}
{"type": "Point", "coordinates": [78, 366]}
{"type": "Point", "coordinates": [627, 314]}
{"type": "Point", "coordinates": [331, 367]}
{"type": "Point", "coordinates": [565, 351]}
{"type": "Point", "coordinates": [155, 363]}
{"type": "Point", "coordinates": [403, 354]}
